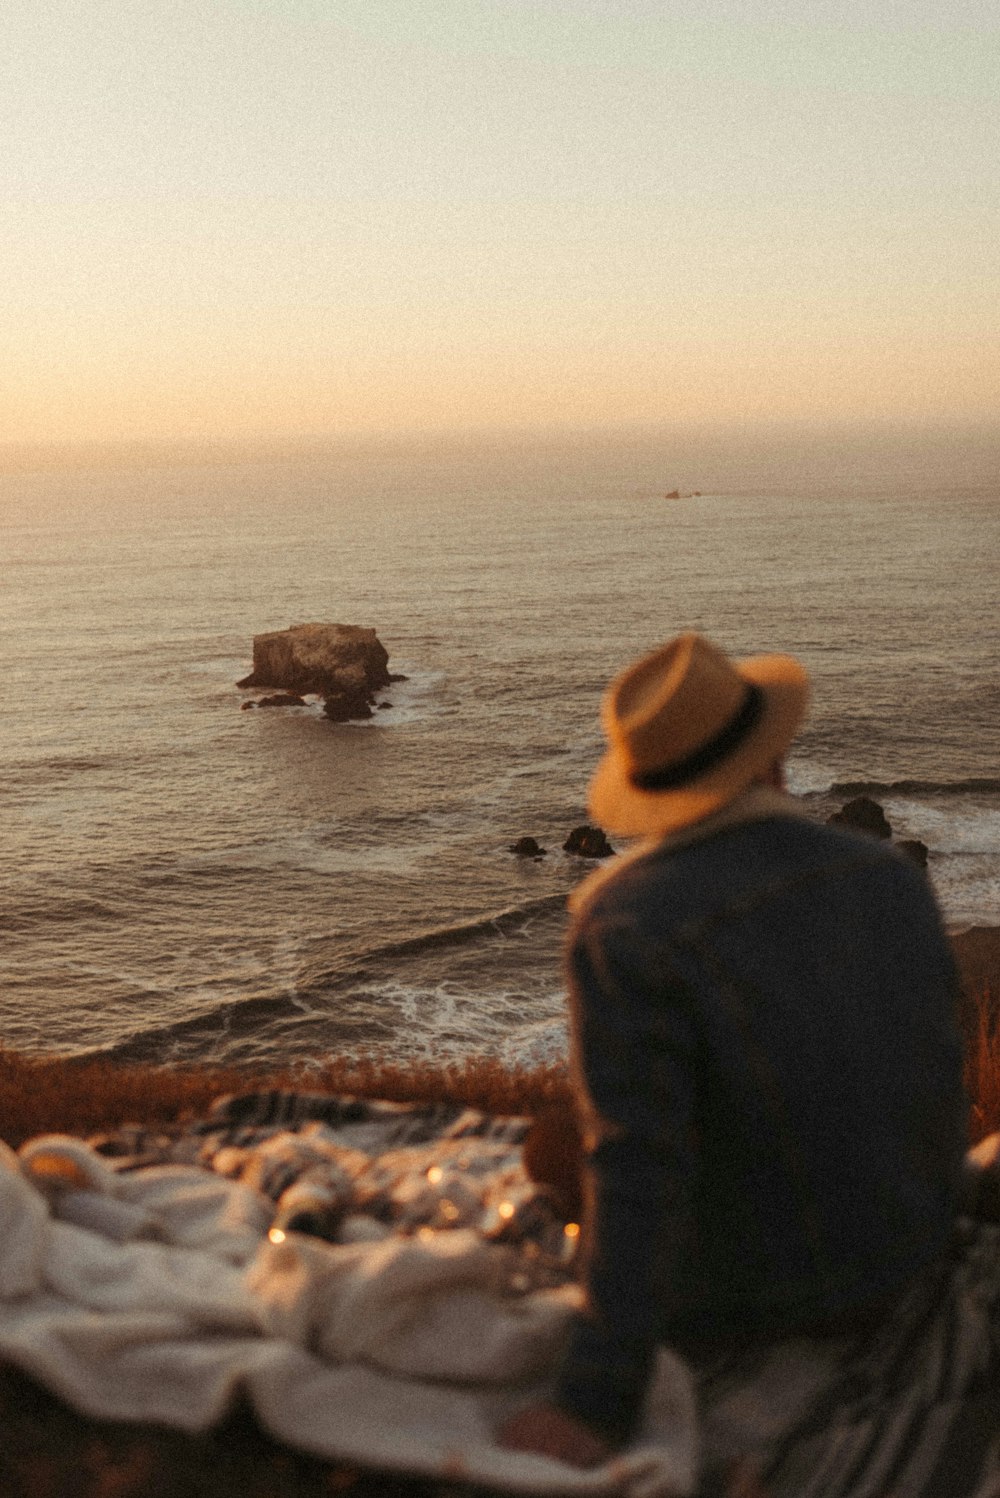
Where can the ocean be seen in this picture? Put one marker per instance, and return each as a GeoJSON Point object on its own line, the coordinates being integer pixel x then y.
{"type": "Point", "coordinates": [183, 881]}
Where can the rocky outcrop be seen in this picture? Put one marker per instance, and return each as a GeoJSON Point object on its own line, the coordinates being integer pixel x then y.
{"type": "Point", "coordinates": [588, 842]}
{"type": "Point", "coordinates": [914, 849]}
{"type": "Point", "coordinates": [351, 702]}
{"type": "Point", "coordinates": [344, 663]}
{"type": "Point", "coordinates": [527, 847]}
{"type": "Point", "coordinates": [864, 815]}
{"type": "Point", "coordinates": [277, 699]}
{"type": "Point", "coordinates": [322, 658]}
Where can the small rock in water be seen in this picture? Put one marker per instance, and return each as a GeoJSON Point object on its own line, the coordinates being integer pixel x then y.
{"type": "Point", "coordinates": [588, 842]}
{"type": "Point", "coordinates": [352, 699]}
{"type": "Point", "coordinates": [913, 848]}
{"type": "Point", "coordinates": [343, 707]}
{"type": "Point", "coordinates": [864, 815]}
{"type": "Point", "coordinates": [527, 847]}
{"type": "Point", "coordinates": [279, 699]}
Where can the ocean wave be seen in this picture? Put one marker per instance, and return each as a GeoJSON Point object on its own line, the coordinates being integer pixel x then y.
{"type": "Point", "coordinates": [423, 694]}
{"type": "Point", "coordinates": [974, 785]}
{"type": "Point", "coordinates": [375, 1000]}
{"type": "Point", "coordinates": [77, 909]}
{"type": "Point", "coordinates": [442, 1019]}
{"type": "Point", "coordinates": [392, 1020]}
{"type": "Point", "coordinates": [542, 1043]}
{"type": "Point", "coordinates": [53, 769]}
{"type": "Point", "coordinates": [51, 775]}
{"type": "Point", "coordinates": [230, 1021]}
{"type": "Point", "coordinates": [509, 922]}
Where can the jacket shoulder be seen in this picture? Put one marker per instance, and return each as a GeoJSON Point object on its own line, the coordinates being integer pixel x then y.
{"type": "Point", "coordinates": [737, 859]}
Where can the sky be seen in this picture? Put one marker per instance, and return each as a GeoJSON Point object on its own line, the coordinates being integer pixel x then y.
{"type": "Point", "coordinates": [245, 219]}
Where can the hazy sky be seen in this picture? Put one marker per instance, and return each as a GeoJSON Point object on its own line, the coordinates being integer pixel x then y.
{"type": "Point", "coordinates": [269, 217]}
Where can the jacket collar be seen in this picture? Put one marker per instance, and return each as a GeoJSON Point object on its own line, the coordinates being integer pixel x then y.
{"type": "Point", "coordinates": [758, 803]}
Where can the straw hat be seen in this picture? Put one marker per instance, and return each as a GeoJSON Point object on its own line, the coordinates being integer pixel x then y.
{"type": "Point", "coordinates": [688, 729]}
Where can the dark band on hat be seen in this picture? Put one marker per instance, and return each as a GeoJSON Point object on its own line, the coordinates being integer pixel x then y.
{"type": "Point", "coordinates": [711, 753]}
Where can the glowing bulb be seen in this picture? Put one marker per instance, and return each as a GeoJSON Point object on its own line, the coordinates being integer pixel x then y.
{"type": "Point", "coordinates": [56, 1170]}
{"type": "Point", "coordinates": [506, 1210]}
{"type": "Point", "coordinates": [435, 1174]}
{"type": "Point", "coordinates": [572, 1230]}
{"type": "Point", "coordinates": [276, 1235]}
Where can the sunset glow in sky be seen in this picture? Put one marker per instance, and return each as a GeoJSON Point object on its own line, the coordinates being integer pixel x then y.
{"type": "Point", "coordinates": [257, 218]}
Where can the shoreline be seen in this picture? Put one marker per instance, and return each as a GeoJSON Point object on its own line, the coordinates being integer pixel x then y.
{"type": "Point", "coordinates": [42, 1093]}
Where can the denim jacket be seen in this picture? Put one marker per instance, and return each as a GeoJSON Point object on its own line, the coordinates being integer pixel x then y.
{"type": "Point", "coordinates": [766, 1051]}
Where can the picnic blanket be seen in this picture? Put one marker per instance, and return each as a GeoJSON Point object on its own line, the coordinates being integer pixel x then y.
{"type": "Point", "coordinates": [385, 1284]}
{"type": "Point", "coordinates": [151, 1277]}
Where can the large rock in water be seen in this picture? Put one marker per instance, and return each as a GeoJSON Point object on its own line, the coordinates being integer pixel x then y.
{"type": "Point", "coordinates": [338, 661]}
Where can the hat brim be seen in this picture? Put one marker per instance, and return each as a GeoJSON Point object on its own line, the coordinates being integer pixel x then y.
{"type": "Point", "coordinates": [620, 807]}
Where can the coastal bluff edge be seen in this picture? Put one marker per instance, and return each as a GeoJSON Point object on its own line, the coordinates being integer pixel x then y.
{"type": "Point", "coordinates": [51, 1450]}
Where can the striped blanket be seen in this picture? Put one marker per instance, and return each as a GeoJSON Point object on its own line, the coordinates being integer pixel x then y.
{"type": "Point", "coordinates": [910, 1409]}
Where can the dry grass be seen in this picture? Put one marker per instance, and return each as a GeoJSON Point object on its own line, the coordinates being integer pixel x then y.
{"type": "Point", "coordinates": [49, 1095]}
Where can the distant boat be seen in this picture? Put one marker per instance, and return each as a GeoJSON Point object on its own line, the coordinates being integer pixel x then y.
{"type": "Point", "coordinates": [676, 494]}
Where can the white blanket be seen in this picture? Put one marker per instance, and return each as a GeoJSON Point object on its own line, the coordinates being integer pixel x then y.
{"type": "Point", "coordinates": [155, 1295]}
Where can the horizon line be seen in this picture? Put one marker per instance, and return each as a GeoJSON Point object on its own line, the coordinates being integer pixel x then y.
{"type": "Point", "coordinates": [21, 456]}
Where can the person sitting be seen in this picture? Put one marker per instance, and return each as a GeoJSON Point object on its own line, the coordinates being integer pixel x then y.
{"type": "Point", "coordinates": [764, 1048]}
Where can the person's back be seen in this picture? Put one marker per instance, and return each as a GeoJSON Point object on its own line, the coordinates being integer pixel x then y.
{"type": "Point", "coordinates": [764, 1044]}
{"type": "Point", "coordinates": [803, 982]}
